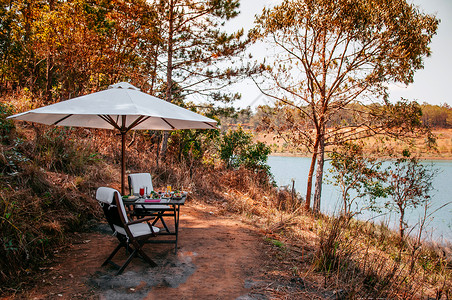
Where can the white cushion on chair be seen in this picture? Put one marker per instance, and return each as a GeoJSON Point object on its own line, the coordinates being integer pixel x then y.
{"type": "Point", "coordinates": [105, 194]}
{"type": "Point", "coordinates": [138, 230]}
{"type": "Point", "coordinates": [138, 180]}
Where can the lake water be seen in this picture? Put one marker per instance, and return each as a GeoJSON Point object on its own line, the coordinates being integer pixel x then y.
{"type": "Point", "coordinates": [439, 227]}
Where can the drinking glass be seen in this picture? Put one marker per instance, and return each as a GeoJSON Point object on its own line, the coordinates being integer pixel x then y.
{"type": "Point", "coordinates": [142, 191]}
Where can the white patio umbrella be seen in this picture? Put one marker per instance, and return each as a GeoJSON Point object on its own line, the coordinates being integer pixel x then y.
{"type": "Point", "coordinates": [121, 107]}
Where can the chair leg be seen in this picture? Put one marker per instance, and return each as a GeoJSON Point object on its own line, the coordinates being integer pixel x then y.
{"type": "Point", "coordinates": [109, 259]}
{"type": "Point", "coordinates": [129, 259]}
{"type": "Point", "coordinates": [146, 258]}
{"type": "Point", "coordinates": [143, 255]}
{"type": "Point", "coordinates": [137, 250]}
{"type": "Point", "coordinates": [159, 217]}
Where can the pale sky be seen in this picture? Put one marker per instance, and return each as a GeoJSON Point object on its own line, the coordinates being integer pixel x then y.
{"type": "Point", "coordinates": [431, 84]}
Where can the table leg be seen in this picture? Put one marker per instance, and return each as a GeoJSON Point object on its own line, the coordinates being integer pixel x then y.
{"type": "Point", "coordinates": [176, 223]}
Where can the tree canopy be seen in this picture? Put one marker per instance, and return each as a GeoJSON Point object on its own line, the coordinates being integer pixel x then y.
{"type": "Point", "coordinates": [61, 49]}
{"type": "Point", "coordinates": [331, 55]}
{"type": "Point", "coordinates": [193, 49]}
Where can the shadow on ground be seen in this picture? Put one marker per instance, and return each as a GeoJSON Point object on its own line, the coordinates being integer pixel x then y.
{"type": "Point", "coordinates": [171, 271]}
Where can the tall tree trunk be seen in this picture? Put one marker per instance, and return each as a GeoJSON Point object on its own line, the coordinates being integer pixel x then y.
{"type": "Point", "coordinates": [49, 68]}
{"type": "Point", "coordinates": [169, 73]}
{"type": "Point", "coordinates": [307, 205]}
{"type": "Point", "coordinates": [321, 130]}
{"type": "Point", "coordinates": [49, 77]}
{"type": "Point", "coordinates": [154, 71]}
{"type": "Point", "coordinates": [401, 224]}
{"type": "Point", "coordinates": [319, 175]}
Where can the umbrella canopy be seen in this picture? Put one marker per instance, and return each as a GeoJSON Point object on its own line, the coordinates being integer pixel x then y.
{"type": "Point", "coordinates": [121, 107]}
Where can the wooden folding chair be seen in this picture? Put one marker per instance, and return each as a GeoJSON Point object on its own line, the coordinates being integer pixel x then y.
{"type": "Point", "coordinates": [132, 235]}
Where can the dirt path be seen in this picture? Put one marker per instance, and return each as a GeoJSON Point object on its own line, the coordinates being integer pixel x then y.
{"type": "Point", "coordinates": [219, 257]}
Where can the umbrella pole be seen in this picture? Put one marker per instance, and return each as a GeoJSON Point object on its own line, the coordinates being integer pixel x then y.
{"type": "Point", "coordinates": [123, 162]}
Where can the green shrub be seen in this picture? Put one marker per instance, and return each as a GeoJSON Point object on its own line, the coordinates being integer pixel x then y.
{"type": "Point", "coordinates": [237, 149]}
{"type": "Point", "coordinates": [192, 144]}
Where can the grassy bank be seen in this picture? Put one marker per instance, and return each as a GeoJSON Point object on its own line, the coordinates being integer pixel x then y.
{"type": "Point", "coordinates": [351, 258]}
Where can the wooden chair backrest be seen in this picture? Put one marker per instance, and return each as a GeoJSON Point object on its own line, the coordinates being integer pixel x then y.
{"type": "Point", "coordinates": [113, 207]}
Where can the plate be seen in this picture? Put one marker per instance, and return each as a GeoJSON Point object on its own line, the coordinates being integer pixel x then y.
{"type": "Point", "coordinates": [129, 198]}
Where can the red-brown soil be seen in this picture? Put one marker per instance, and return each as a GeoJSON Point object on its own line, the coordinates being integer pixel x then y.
{"type": "Point", "coordinates": [219, 257]}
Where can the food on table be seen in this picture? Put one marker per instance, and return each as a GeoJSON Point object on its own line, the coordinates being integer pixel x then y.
{"type": "Point", "coordinates": [154, 195]}
{"type": "Point", "coordinates": [178, 194]}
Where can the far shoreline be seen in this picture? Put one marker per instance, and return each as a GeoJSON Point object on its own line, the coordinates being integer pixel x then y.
{"type": "Point", "coordinates": [441, 152]}
{"type": "Point", "coordinates": [288, 154]}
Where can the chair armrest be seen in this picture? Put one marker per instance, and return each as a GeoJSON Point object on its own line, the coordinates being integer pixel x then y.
{"type": "Point", "coordinates": [140, 220]}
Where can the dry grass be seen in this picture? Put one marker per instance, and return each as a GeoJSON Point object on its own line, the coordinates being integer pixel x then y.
{"type": "Point", "coordinates": [41, 202]}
